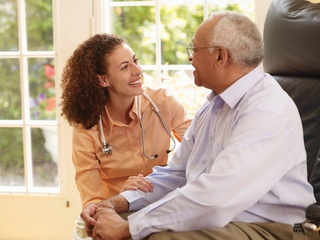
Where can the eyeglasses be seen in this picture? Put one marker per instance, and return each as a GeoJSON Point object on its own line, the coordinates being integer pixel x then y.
{"type": "Point", "coordinates": [191, 49]}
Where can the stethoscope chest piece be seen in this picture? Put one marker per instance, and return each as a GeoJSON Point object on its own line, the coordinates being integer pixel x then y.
{"type": "Point", "coordinates": [106, 148]}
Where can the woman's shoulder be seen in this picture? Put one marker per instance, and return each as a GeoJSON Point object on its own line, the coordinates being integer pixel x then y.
{"type": "Point", "coordinates": [80, 127]}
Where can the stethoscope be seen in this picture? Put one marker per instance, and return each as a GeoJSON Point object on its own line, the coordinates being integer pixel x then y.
{"type": "Point", "coordinates": [106, 147]}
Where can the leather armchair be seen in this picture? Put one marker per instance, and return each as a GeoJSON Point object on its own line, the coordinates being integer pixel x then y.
{"type": "Point", "coordinates": [292, 55]}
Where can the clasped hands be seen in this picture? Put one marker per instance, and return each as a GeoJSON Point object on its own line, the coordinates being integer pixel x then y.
{"type": "Point", "coordinates": [102, 220]}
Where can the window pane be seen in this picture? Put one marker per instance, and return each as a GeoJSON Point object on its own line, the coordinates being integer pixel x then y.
{"type": "Point", "coordinates": [44, 156]}
{"type": "Point", "coordinates": [8, 26]}
{"type": "Point", "coordinates": [11, 157]}
{"type": "Point", "coordinates": [39, 25]}
{"type": "Point", "coordinates": [178, 25]}
{"type": "Point", "coordinates": [10, 95]}
{"type": "Point", "coordinates": [42, 89]}
{"type": "Point", "coordinates": [137, 26]}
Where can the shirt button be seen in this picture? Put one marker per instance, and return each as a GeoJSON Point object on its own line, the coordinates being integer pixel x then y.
{"type": "Point", "coordinates": [211, 138]}
{"type": "Point", "coordinates": [203, 161]}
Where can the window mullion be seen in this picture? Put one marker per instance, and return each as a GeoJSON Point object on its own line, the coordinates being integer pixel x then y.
{"type": "Point", "coordinates": [205, 10]}
{"type": "Point", "coordinates": [22, 26]}
{"type": "Point", "coordinates": [28, 157]}
{"type": "Point", "coordinates": [158, 42]}
{"type": "Point", "coordinates": [24, 89]}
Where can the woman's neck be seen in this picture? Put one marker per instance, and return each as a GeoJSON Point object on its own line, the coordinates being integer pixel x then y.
{"type": "Point", "coordinates": [119, 109]}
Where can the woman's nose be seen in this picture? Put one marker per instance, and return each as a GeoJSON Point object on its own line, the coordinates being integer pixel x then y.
{"type": "Point", "coordinates": [138, 69]}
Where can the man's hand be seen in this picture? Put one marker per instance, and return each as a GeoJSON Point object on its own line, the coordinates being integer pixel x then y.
{"type": "Point", "coordinates": [87, 216]}
{"type": "Point", "coordinates": [137, 183]}
{"type": "Point", "coordinates": [114, 205]}
{"type": "Point", "coordinates": [109, 225]}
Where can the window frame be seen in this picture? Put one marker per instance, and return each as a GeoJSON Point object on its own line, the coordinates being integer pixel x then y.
{"type": "Point", "coordinates": [26, 123]}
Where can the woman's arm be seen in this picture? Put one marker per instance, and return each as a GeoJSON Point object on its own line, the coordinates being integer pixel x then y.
{"type": "Point", "coordinates": [87, 166]}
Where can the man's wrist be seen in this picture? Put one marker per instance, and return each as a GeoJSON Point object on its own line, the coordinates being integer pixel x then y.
{"type": "Point", "coordinates": [119, 203]}
{"type": "Point", "coordinates": [126, 231]}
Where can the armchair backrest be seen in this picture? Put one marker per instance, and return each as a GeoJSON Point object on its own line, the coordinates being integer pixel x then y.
{"type": "Point", "coordinates": [292, 55]}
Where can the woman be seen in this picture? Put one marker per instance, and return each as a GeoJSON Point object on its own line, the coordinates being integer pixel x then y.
{"type": "Point", "coordinates": [103, 79]}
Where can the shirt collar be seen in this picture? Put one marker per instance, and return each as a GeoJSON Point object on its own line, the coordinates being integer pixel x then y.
{"type": "Point", "coordinates": [109, 122]}
{"type": "Point", "coordinates": [233, 94]}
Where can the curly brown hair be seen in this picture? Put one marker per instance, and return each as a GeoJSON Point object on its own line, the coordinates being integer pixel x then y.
{"type": "Point", "coordinates": [83, 99]}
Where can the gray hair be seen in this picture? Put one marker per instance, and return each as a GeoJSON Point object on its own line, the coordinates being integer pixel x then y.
{"type": "Point", "coordinates": [240, 36]}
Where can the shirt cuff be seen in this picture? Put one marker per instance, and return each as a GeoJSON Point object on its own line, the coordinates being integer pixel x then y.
{"type": "Point", "coordinates": [131, 197]}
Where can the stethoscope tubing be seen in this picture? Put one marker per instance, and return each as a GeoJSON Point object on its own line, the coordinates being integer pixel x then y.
{"type": "Point", "coordinates": [106, 147]}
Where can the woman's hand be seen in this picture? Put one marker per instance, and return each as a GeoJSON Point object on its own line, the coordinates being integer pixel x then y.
{"type": "Point", "coordinates": [137, 183]}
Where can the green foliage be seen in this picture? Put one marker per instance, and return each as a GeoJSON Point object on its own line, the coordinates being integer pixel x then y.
{"type": "Point", "coordinates": [44, 169]}
{"type": "Point", "coordinates": [10, 94]}
{"type": "Point", "coordinates": [137, 25]}
{"type": "Point", "coordinates": [11, 157]}
{"type": "Point", "coordinates": [39, 25]}
{"type": "Point", "coordinates": [8, 25]}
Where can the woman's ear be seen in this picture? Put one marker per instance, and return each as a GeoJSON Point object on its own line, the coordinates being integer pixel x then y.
{"type": "Point", "coordinates": [103, 82]}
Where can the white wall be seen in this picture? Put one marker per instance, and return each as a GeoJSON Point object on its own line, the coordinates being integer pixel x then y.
{"type": "Point", "coordinates": [48, 217]}
{"type": "Point", "coordinates": [261, 12]}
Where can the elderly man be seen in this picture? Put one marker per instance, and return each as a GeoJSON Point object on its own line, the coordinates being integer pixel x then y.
{"type": "Point", "coordinates": [240, 171]}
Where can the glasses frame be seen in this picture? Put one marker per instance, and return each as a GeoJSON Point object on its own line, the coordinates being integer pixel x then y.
{"type": "Point", "coordinates": [190, 49]}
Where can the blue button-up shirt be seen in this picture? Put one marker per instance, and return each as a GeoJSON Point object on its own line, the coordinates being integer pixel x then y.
{"type": "Point", "coordinates": [242, 159]}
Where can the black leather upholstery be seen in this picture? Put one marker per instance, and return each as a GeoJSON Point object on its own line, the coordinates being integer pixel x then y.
{"type": "Point", "coordinates": [292, 56]}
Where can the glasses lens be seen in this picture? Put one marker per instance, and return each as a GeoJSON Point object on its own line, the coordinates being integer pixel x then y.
{"type": "Point", "coordinates": [190, 49]}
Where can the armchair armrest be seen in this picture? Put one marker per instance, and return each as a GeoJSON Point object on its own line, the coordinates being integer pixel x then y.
{"type": "Point", "coordinates": [313, 217]}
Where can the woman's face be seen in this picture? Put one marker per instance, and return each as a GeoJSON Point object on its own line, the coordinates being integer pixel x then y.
{"type": "Point", "coordinates": [124, 72]}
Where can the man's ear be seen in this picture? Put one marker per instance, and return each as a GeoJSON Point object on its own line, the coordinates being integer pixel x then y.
{"type": "Point", "coordinates": [223, 55]}
{"type": "Point", "coordinates": [103, 82]}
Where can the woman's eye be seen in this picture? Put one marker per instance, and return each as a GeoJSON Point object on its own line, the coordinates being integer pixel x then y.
{"type": "Point", "coordinates": [136, 61]}
{"type": "Point", "coordinates": [125, 67]}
